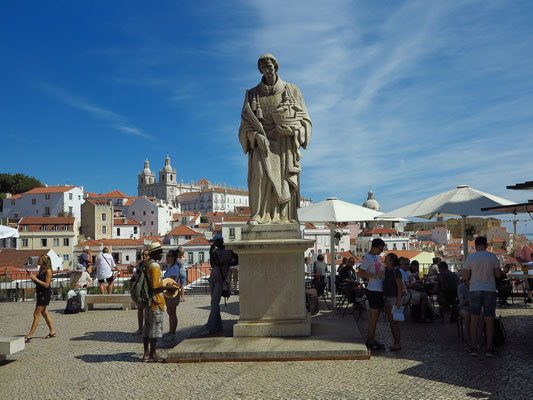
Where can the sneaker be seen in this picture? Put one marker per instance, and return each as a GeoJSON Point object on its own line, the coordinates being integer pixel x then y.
{"type": "Point", "coordinates": [491, 353]}
{"type": "Point", "coordinates": [473, 352]}
{"type": "Point", "coordinates": [375, 346]}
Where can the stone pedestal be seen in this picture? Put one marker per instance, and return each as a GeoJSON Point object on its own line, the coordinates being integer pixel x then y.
{"type": "Point", "coordinates": [271, 281]}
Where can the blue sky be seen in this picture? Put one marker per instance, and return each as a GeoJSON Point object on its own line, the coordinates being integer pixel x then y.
{"type": "Point", "coordinates": [411, 97]}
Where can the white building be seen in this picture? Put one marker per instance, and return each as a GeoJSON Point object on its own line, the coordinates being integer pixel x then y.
{"type": "Point", "coordinates": [124, 228]}
{"type": "Point", "coordinates": [440, 235]}
{"type": "Point", "coordinates": [213, 199]}
{"type": "Point", "coordinates": [180, 235]}
{"type": "Point", "coordinates": [51, 201]}
{"type": "Point", "coordinates": [321, 236]}
{"type": "Point", "coordinates": [393, 239]}
{"type": "Point", "coordinates": [154, 216]}
{"type": "Point", "coordinates": [232, 227]}
{"type": "Point", "coordinates": [190, 219]}
{"type": "Point", "coordinates": [197, 250]}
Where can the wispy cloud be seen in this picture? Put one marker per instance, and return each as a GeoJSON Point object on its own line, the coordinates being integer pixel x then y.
{"type": "Point", "coordinates": [117, 121]}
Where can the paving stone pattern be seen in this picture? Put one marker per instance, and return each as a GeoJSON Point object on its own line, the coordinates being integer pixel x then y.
{"type": "Point", "coordinates": [96, 356]}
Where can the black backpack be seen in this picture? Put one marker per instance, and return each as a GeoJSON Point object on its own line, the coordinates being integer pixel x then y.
{"type": "Point", "coordinates": [499, 332]}
{"type": "Point", "coordinates": [73, 305]}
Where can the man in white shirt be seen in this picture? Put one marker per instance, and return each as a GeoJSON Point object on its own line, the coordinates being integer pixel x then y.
{"type": "Point", "coordinates": [372, 270]}
{"type": "Point", "coordinates": [80, 280]}
{"type": "Point", "coordinates": [481, 268]}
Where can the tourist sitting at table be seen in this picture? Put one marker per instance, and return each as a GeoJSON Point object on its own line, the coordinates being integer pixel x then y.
{"type": "Point", "coordinates": [416, 290]}
{"type": "Point", "coordinates": [447, 283]}
{"type": "Point", "coordinates": [347, 274]}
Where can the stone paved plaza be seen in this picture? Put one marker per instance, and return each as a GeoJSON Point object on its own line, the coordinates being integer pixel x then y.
{"type": "Point", "coordinates": [96, 356]}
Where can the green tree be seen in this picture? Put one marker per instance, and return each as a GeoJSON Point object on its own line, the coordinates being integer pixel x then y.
{"type": "Point", "coordinates": [15, 184]}
{"type": "Point", "coordinates": [204, 219]}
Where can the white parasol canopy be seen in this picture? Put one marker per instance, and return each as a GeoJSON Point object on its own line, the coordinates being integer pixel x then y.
{"type": "Point", "coordinates": [462, 201]}
{"type": "Point", "coordinates": [333, 211]}
{"type": "Point", "coordinates": [6, 232]}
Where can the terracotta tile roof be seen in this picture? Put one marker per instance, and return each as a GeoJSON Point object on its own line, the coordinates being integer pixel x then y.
{"type": "Point", "coordinates": [176, 216]}
{"type": "Point", "coordinates": [124, 221]}
{"type": "Point", "coordinates": [423, 233]}
{"type": "Point", "coordinates": [98, 202]}
{"type": "Point", "coordinates": [90, 194]}
{"type": "Point", "coordinates": [182, 230]}
{"type": "Point", "coordinates": [111, 242]}
{"type": "Point", "coordinates": [152, 238]}
{"type": "Point", "coordinates": [47, 221]}
{"type": "Point", "coordinates": [404, 253]}
{"type": "Point", "coordinates": [114, 194]}
{"type": "Point", "coordinates": [309, 225]}
{"type": "Point", "coordinates": [498, 240]}
{"type": "Point", "coordinates": [202, 181]}
{"type": "Point", "coordinates": [236, 219]}
{"type": "Point", "coordinates": [50, 189]}
{"type": "Point", "coordinates": [198, 241]}
{"type": "Point", "coordinates": [203, 225]}
{"type": "Point", "coordinates": [378, 231]}
{"type": "Point", "coordinates": [353, 240]}
{"type": "Point", "coordinates": [343, 254]}
{"type": "Point", "coordinates": [15, 197]}
{"type": "Point", "coordinates": [18, 258]}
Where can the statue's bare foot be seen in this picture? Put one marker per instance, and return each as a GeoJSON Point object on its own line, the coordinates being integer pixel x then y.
{"type": "Point", "coordinates": [253, 222]}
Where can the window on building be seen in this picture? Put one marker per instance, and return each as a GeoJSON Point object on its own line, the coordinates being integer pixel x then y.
{"type": "Point", "coordinates": [327, 251]}
{"type": "Point", "coordinates": [201, 256]}
{"type": "Point", "coordinates": [118, 231]}
{"type": "Point", "coordinates": [47, 196]}
{"type": "Point", "coordinates": [187, 237]}
{"type": "Point", "coordinates": [144, 222]}
{"type": "Point", "coordinates": [65, 242]}
{"type": "Point", "coordinates": [70, 196]}
{"type": "Point", "coordinates": [133, 213]}
{"type": "Point", "coordinates": [135, 230]}
{"type": "Point", "coordinates": [70, 210]}
{"type": "Point", "coordinates": [33, 201]}
{"type": "Point", "coordinates": [56, 242]}
{"type": "Point", "coordinates": [232, 233]}
{"type": "Point", "coordinates": [151, 222]}
{"type": "Point", "coordinates": [24, 242]}
{"type": "Point", "coordinates": [394, 246]}
{"type": "Point", "coordinates": [12, 202]}
{"type": "Point", "coordinates": [44, 227]}
{"type": "Point", "coordinates": [104, 230]}
{"type": "Point", "coordinates": [127, 258]}
{"type": "Point", "coordinates": [65, 227]}
{"type": "Point", "coordinates": [104, 217]}
{"type": "Point", "coordinates": [152, 211]}
{"type": "Point", "coordinates": [44, 242]}
{"type": "Point", "coordinates": [47, 211]}
{"type": "Point", "coordinates": [56, 228]}
{"type": "Point", "coordinates": [144, 212]}
{"type": "Point", "coordinates": [190, 257]}
{"type": "Point", "coordinates": [16, 215]}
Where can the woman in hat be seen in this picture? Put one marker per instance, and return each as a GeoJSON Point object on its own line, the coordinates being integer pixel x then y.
{"type": "Point", "coordinates": [172, 299]}
{"type": "Point", "coordinates": [44, 292]}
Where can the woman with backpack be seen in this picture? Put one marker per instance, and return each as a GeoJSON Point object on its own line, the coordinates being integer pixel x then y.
{"type": "Point", "coordinates": [44, 292]}
{"type": "Point", "coordinates": [394, 291]}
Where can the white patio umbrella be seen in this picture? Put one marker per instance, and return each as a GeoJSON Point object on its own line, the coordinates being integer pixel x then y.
{"type": "Point", "coordinates": [462, 201]}
{"type": "Point", "coordinates": [6, 232]}
{"type": "Point", "coordinates": [333, 211]}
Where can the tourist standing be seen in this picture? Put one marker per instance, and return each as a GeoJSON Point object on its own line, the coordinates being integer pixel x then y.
{"type": "Point", "coordinates": [86, 259]}
{"type": "Point", "coordinates": [173, 272]}
{"type": "Point", "coordinates": [105, 264]}
{"type": "Point", "coordinates": [372, 270]}
{"type": "Point", "coordinates": [393, 291]}
{"type": "Point", "coordinates": [182, 271]}
{"type": "Point", "coordinates": [44, 292]}
{"type": "Point", "coordinates": [140, 310]}
{"type": "Point", "coordinates": [481, 268]}
{"type": "Point", "coordinates": [153, 315]}
{"type": "Point", "coordinates": [319, 269]}
{"type": "Point", "coordinates": [221, 260]}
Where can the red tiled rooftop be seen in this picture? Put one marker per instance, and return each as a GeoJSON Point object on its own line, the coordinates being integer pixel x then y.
{"type": "Point", "coordinates": [50, 189]}
{"type": "Point", "coordinates": [18, 258]}
{"type": "Point", "coordinates": [236, 219]}
{"type": "Point", "coordinates": [47, 221]}
{"type": "Point", "coordinates": [111, 242]}
{"type": "Point", "coordinates": [423, 233]}
{"type": "Point", "coordinates": [182, 230]}
{"type": "Point", "coordinates": [117, 194]}
{"type": "Point", "coordinates": [198, 241]}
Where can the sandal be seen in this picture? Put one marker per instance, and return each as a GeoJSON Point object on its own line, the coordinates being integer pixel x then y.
{"type": "Point", "coordinates": [27, 339]}
{"type": "Point", "coordinates": [156, 359]}
{"type": "Point", "coordinates": [50, 335]}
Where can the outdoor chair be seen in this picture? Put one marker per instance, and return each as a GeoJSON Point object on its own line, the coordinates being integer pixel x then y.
{"type": "Point", "coordinates": [356, 298]}
{"type": "Point", "coordinates": [448, 302]}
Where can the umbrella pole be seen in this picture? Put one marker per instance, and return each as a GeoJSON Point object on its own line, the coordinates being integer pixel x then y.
{"type": "Point", "coordinates": [465, 239]}
{"type": "Point", "coordinates": [332, 258]}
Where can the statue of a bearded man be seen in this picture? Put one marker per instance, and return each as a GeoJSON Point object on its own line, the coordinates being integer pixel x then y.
{"type": "Point", "coordinates": [274, 125]}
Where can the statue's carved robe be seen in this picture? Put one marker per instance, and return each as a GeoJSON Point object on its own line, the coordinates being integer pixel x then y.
{"type": "Point", "coordinates": [273, 173]}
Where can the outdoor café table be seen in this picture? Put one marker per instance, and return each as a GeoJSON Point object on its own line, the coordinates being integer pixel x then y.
{"type": "Point", "coordinates": [519, 275]}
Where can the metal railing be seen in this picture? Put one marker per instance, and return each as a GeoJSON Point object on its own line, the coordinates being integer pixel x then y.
{"type": "Point", "coordinates": [18, 287]}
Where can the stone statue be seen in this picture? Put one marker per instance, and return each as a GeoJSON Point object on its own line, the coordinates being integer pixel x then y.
{"type": "Point", "coordinates": [274, 125]}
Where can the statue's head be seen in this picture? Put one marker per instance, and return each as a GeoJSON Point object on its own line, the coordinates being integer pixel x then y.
{"type": "Point", "coordinates": [265, 59]}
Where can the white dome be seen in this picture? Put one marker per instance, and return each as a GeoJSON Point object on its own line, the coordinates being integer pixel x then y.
{"type": "Point", "coordinates": [146, 170]}
{"type": "Point", "coordinates": [371, 202]}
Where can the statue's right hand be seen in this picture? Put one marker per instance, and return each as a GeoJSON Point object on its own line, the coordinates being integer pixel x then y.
{"type": "Point", "coordinates": [262, 142]}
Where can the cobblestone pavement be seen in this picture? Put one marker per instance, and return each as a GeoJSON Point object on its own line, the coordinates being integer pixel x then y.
{"type": "Point", "coordinates": [96, 356]}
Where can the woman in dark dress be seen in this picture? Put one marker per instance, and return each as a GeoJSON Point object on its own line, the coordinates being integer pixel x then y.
{"type": "Point", "coordinates": [44, 292]}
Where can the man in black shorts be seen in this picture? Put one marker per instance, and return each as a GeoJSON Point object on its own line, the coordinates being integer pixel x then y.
{"type": "Point", "coordinates": [372, 270]}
